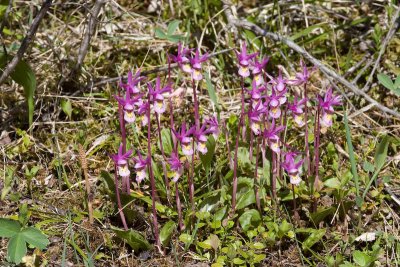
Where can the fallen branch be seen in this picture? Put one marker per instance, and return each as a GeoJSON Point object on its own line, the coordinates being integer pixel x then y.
{"type": "Point", "coordinates": [26, 42]}
{"type": "Point", "coordinates": [325, 69]}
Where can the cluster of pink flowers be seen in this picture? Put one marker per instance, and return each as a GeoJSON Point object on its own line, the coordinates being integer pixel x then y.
{"type": "Point", "coordinates": [135, 103]}
{"type": "Point", "coordinates": [269, 103]}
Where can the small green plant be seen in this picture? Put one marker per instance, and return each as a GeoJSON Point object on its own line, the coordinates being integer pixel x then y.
{"type": "Point", "coordinates": [170, 33]}
{"type": "Point", "coordinates": [20, 234]}
{"type": "Point", "coordinates": [386, 81]}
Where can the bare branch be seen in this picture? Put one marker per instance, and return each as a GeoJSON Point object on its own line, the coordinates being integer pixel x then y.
{"type": "Point", "coordinates": [89, 33]}
{"type": "Point", "coordinates": [325, 69]}
{"type": "Point", "coordinates": [26, 42]}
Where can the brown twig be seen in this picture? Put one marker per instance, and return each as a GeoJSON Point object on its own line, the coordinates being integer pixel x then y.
{"type": "Point", "coordinates": [82, 159]}
{"type": "Point", "coordinates": [94, 12]}
{"type": "Point", "coordinates": [325, 69]}
{"type": "Point", "coordinates": [26, 42]}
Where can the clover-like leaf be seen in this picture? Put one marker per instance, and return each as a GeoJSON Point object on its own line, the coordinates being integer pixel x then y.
{"type": "Point", "coordinates": [9, 228]}
{"type": "Point", "coordinates": [34, 237]}
{"type": "Point", "coordinates": [16, 249]}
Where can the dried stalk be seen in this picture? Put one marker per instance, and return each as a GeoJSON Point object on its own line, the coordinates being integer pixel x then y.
{"type": "Point", "coordinates": [83, 161]}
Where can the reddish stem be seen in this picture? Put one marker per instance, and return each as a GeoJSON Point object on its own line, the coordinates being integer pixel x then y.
{"type": "Point", "coordinates": [306, 135]}
{"type": "Point", "coordinates": [120, 211]}
{"type": "Point", "coordinates": [316, 147]}
{"type": "Point", "coordinates": [256, 180]}
{"type": "Point", "coordinates": [152, 181]}
{"type": "Point", "coordinates": [235, 160]}
{"type": "Point", "coordinates": [179, 207]}
{"type": "Point", "coordinates": [164, 158]}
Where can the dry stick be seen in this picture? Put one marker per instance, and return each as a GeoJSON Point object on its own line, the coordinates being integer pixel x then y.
{"type": "Point", "coordinates": [326, 70]}
{"type": "Point", "coordinates": [94, 12]}
{"type": "Point", "coordinates": [26, 42]}
{"type": "Point", "coordinates": [164, 68]}
{"type": "Point", "coordinates": [394, 25]}
{"type": "Point", "coordinates": [82, 158]}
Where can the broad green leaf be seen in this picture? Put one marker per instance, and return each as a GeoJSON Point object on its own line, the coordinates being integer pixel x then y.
{"type": "Point", "coordinates": [315, 236]}
{"type": "Point", "coordinates": [244, 157]}
{"type": "Point", "coordinates": [259, 258]}
{"type": "Point", "coordinates": [306, 31]}
{"type": "Point", "coordinates": [258, 245]}
{"type": "Point", "coordinates": [210, 203]}
{"type": "Point", "coordinates": [205, 244]}
{"type": "Point", "coordinates": [172, 26]}
{"type": "Point", "coordinates": [238, 261]}
{"type": "Point", "coordinates": [321, 214]}
{"type": "Point", "coordinates": [159, 207]}
{"type": "Point", "coordinates": [9, 228]}
{"type": "Point", "coordinates": [246, 199]}
{"type": "Point", "coordinates": [386, 81]}
{"type": "Point", "coordinates": [361, 258]}
{"type": "Point", "coordinates": [253, 39]}
{"type": "Point", "coordinates": [133, 239]}
{"type": "Point", "coordinates": [3, 8]}
{"type": "Point", "coordinates": [207, 158]}
{"type": "Point", "coordinates": [211, 90]}
{"type": "Point", "coordinates": [160, 33]}
{"type": "Point", "coordinates": [397, 83]}
{"type": "Point", "coordinates": [35, 237]}
{"type": "Point", "coordinates": [166, 140]}
{"type": "Point", "coordinates": [166, 232]}
{"type": "Point", "coordinates": [333, 183]}
{"type": "Point", "coordinates": [24, 76]}
{"type": "Point", "coordinates": [220, 214]}
{"type": "Point", "coordinates": [203, 215]}
{"type": "Point", "coordinates": [185, 238]}
{"type": "Point", "coordinates": [284, 228]}
{"type": "Point", "coordinates": [16, 249]}
{"type": "Point", "coordinates": [368, 166]}
{"type": "Point", "coordinates": [249, 219]}
{"type": "Point", "coordinates": [381, 153]}
{"type": "Point", "coordinates": [66, 107]}
{"type": "Point", "coordinates": [175, 38]}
